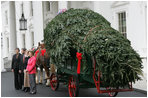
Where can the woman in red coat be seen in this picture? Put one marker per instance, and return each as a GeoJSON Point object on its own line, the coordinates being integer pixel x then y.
{"type": "Point", "coordinates": [31, 68]}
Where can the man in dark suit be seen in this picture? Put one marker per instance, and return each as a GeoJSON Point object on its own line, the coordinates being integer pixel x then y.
{"type": "Point", "coordinates": [15, 66]}
{"type": "Point", "coordinates": [22, 66]}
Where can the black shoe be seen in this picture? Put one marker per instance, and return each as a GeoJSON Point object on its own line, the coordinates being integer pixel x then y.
{"type": "Point", "coordinates": [20, 88]}
{"type": "Point", "coordinates": [16, 88]}
{"type": "Point", "coordinates": [28, 89]}
{"type": "Point", "coordinates": [24, 89]}
{"type": "Point", "coordinates": [34, 93]}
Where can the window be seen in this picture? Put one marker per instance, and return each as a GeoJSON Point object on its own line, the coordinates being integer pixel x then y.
{"type": "Point", "coordinates": [31, 8]}
{"type": "Point", "coordinates": [122, 23]}
{"type": "Point", "coordinates": [6, 16]}
{"type": "Point", "coordinates": [47, 6]}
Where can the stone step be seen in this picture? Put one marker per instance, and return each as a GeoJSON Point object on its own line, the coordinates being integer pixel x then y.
{"type": "Point", "coordinates": [7, 63]}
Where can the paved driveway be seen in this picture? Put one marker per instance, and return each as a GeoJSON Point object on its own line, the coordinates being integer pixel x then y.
{"type": "Point", "coordinates": [7, 90]}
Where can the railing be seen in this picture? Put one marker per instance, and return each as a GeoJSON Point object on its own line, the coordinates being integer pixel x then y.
{"type": "Point", "coordinates": [97, 83]}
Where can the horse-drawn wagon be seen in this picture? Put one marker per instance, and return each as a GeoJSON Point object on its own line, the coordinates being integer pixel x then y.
{"type": "Point", "coordinates": [70, 75]}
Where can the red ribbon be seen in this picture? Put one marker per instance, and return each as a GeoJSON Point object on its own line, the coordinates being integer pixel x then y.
{"type": "Point", "coordinates": [43, 52]}
{"type": "Point", "coordinates": [79, 57]}
{"type": "Point", "coordinates": [36, 53]}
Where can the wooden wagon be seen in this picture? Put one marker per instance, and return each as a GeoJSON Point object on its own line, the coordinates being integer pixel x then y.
{"type": "Point", "coordinates": [69, 75]}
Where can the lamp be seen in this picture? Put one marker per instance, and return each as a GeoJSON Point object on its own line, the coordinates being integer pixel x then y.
{"type": "Point", "coordinates": [23, 23]}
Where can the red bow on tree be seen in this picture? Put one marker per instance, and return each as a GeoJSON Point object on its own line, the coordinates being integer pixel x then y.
{"type": "Point", "coordinates": [79, 57]}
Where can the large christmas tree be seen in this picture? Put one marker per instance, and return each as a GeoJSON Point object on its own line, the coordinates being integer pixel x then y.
{"type": "Point", "coordinates": [89, 32]}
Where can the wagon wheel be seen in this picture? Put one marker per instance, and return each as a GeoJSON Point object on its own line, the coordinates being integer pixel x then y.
{"type": "Point", "coordinates": [130, 85]}
{"type": "Point", "coordinates": [112, 94]}
{"type": "Point", "coordinates": [54, 81]}
{"type": "Point", "coordinates": [73, 86]}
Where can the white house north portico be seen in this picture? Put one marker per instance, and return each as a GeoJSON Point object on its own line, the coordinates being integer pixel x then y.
{"type": "Point", "coordinates": [129, 17]}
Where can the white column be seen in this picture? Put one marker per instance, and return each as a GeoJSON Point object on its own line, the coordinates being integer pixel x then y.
{"type": "Point", "coordinates": [28, 16]}
{"type": "Point", "coordinates": [2, 45]}
{"type": "Point", "coordinates": [5, 54]}
{"type": "Point", "coordinates": [12, 25]}
{"type": "Point", "coordinates": [2, 61]}
{"type": "Point", "coordinates": [38, 22]}
{"type": "Point", "coordinates": [62, 5]}
{"type": "Point", "coordinates": [28, 39]}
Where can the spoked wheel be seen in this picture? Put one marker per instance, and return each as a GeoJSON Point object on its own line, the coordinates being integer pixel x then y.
{"type": "Point", "coordinates": [73, 86]}
{"type": "Point", "coordinates": [130, 85]}
{"type": "Point", "coordinates": [54, 81]}
{"type": "Point", "coordinates": [112, 94]}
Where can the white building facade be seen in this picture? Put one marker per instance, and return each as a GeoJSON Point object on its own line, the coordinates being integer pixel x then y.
{"type": "Point", "coordinates": [129, 17]}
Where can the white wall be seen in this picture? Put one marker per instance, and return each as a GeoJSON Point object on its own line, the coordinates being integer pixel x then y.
{"type": "Point", "coordinates": [80, 4]}
{"type": "Point", "coordinates": [104, 8]}
{"type": "Point", "coordinates": [62, 5]}
{"type": "Point", "coordinates": [137, 28]}
{"type": "Point", "coordinates": [49, 15]}
{"type": "Point", "coordinates": [137, 33]}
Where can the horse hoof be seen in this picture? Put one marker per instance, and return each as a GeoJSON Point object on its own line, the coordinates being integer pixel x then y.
{"type": "Point", "coordinates": [40, 83]}
{"type": "Point", "coordinates": [47, 86]}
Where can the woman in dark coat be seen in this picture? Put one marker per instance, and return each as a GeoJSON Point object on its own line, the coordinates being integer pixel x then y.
{"type": "Point", "coordinates": [16, 68]}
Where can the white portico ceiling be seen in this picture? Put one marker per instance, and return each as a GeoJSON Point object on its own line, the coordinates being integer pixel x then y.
{"type": "Point", "coordinates": [119, 3]}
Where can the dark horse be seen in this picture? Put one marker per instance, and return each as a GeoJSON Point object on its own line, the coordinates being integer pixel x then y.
{"type": "Point", "coordinates": [42, 61]}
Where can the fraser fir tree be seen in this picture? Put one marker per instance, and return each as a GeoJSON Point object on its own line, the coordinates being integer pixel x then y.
{"type": "Point", "coordinates": [89, 32]}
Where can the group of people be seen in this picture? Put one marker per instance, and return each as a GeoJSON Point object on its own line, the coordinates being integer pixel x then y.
{"type": "Point", "coordinates": [24, 68]}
